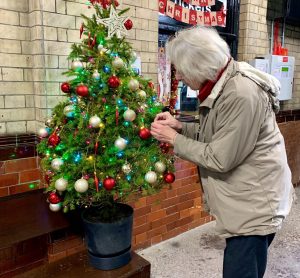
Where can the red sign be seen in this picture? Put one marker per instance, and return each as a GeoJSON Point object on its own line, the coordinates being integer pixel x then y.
{"type": "Point", "coordinates": [192, 16]}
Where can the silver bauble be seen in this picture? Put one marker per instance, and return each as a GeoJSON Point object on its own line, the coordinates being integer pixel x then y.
{"type": "Point", "coordinates": [118, 63]}
{"type": "Point", "coordinates": [143, 107]}
{"type": "Point", "coordinates": [81, 185]}
{"type": "Point", "coordinates": [151, 177]}
{"type": "Point", "coordinates": [126, 168]}
{"type": "Point", "coordinates": [95, 121]}
{"type": "Point", "coordinates": [120, 144]}
{"type": "Point", "coordinates": [55, 207]}
{"type": "Point", "coordinates": [160, 167]}
{"type": "Point", "coordinates": [129, 115]}
{"type": "Point", "coordinates": [56, 163]}
{"type": "Point", "coordinates": [96, 75]}
{"type": "Point", "coordinates": [42, 132]}
{"type": "Point", "coordinates": [133, 56]}
{"type": "Point", "coordinates": [76, 65]}
{"type": "Point", "coordinates": [61, 184]}
{"type": "Point", "coordinates": [69, 110]}
{"type": "Point", "coordinates": [133, 84]}
{"type": "Point", "coordinates": [49, 122]}
{"type": "Point", "coordinates": [141, 94]}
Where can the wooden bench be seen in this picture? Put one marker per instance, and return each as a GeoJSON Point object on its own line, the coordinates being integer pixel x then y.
{"type": "Point", "coordinates": [77, 266]}
{"type": "Point", "coordinates": [26, 224]}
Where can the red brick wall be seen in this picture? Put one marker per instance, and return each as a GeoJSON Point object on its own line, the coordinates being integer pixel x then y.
{"type": "Point", "coordinates": [19, 175]}
{"type": "Point", "coordinates": [172, 211]}
{"type": "Point", "coordinates": [291, 133]}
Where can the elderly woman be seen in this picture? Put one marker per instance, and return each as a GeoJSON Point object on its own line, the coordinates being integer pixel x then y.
{"type": "Point", "coordinates": [236, 144]}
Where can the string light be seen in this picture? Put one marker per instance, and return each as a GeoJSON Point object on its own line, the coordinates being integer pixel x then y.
{"type": "Point", "coordinates": [77, 157]}
{"type": "Point", "coordinates": [91, 158]}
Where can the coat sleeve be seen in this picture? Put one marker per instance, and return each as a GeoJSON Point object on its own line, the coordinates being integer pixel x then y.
{"type": "Point", "coordinates": [238, 123]}
{"type": "Point", "coordinates": [189, 129]}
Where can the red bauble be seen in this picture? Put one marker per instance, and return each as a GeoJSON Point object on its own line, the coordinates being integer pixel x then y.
{"type": "Point", "coordinates": [128, 24]}
{"type": "Point", "coordinates": [151, 84]}
{"type": "Point", "coordinates": [65, 87]}
{"type": "Point", "coordinates": [144, 133]}
{"type": "Point", "coordinates": [116, 3]}
{"type": "Point", "coordinates": [165, 147]}
{"type": "Point", "coordinates": [114, 82]}
{"type": "Point", "coordinates": [82, 90]}
{"type": "Point", "coordinates": [47, 179]}
{"type": "Point", "coordinates": [54, 198]}
{"type": "Point", "coordinates": [169, 177]}
{"type": "Point", "coordinates": [53, 140]}
{"type": "Point", "coordinates": [109, 183]}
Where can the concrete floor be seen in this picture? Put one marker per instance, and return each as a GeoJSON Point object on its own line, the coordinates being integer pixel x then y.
{"type": "Point", "coordinates": [199, 253]}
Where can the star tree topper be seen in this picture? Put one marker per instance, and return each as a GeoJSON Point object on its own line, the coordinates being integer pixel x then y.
{"type": "Point", "coordinates": [114, 23]}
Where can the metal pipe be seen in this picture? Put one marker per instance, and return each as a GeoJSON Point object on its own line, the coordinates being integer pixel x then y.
{"type": "Point", "coordinates": [272, 37]}
{"type": "Point", "coordinates": [283, 31]}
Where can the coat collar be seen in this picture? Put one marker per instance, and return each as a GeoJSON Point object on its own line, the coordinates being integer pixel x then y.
{"type": "Point", "coordinates": [215, 92]}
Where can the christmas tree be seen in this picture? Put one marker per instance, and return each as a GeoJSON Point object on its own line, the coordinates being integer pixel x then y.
{"type": "Point", "coordinates": [97, 147]}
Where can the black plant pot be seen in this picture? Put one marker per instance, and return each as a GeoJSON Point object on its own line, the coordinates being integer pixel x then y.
{"type": "Point", "coordinates": [109, 240]}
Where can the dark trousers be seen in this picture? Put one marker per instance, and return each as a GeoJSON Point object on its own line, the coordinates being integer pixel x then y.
{"type": "Point", "coordinates": [246, 256]}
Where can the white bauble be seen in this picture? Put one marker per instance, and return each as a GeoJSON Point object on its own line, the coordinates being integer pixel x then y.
{"type": "Point", "coordinates": [141, 94]}
{"type": "Point", "coordinates": [96, 75]}
{"type": "Point", "coordinates": [151, 177]}
{"type": "Point", "coordinates": [133, 84]}
{"type": "Point", "coordinates": [100, 47]}
{"type": "Point", "coordinates": [56, 163]}
{"type": "Point", "coordinates": [129, 115]}
{"type": "Point", "coordinates": [42, 132]}
{"type": "Point", "coordinates": [69, 110]}
{"type": "Point", "coordinates": [160, 167]}
{"type": "Point", "coordinates": [95, 121]}
{"type": "Point", "coordinates": [126, 168]}
{"type": "Point", "coordinates": [76, 65]}
{"type": "Point", "coordinates": [120, 144]}
{"type": "Point", "coordinates": [61, 184]}
{"type": "Point", "coordinates": [118, 63]}
{"type": "Point", "coordinates": [55, 207]}
{"type": "Point", "coordinates": [81, 185]}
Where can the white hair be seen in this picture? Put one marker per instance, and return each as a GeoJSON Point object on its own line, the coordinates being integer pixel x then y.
{"type": "Point", "coordinates": [198, 53]}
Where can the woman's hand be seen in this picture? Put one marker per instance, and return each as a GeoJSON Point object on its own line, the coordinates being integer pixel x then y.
{"type": "Point", "coordinates": [163, 133]}
{"type": "Point", "coordinates": [167, 119]}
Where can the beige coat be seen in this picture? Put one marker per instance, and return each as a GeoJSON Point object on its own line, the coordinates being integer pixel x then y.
{"type": "Point", "coordinates": [241, 156]}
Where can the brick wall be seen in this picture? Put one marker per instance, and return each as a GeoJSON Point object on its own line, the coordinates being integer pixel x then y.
{"type": "Point", "coordinates": [254, 40]}
{"type": "Point", "coordinates": [289, 125]}
{"type": "Point", "coordinates": [19, 175]}
{"type": "Point", "coordinates": [16, 90]}
{"type": "Point", "coordinates": [36, 36]}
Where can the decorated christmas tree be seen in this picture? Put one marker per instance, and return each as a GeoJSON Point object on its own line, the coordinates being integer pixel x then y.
{"type": "Point", "coordinates": [97, 147]}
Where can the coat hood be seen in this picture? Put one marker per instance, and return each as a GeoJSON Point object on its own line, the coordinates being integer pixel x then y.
{"type": "Point", "coordinates": [267, 82]}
